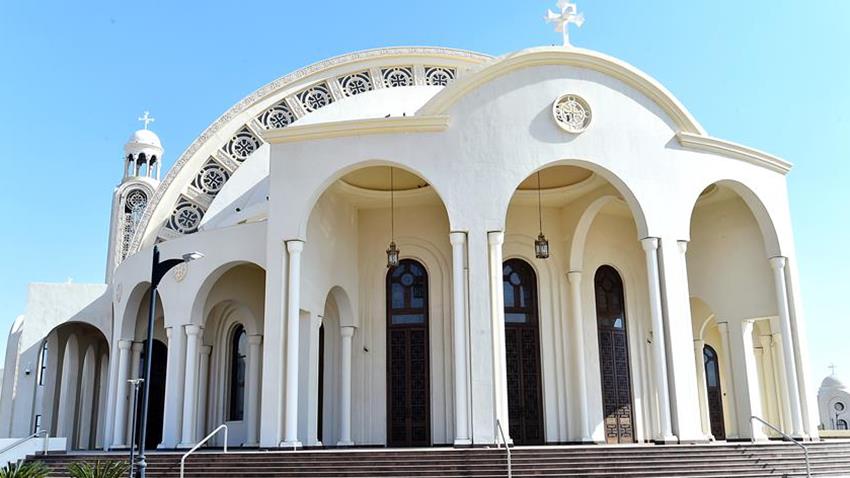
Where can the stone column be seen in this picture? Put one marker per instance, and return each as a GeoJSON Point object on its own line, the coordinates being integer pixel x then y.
{"type": "Point", "coordinates": [174, 379]}
{"type": "Point", "coordinates": [574, 277]}
{"type": "Point", "coordinates": [771, 391]}
{"type": "Point", "coordinates": [346, 333]}
{"type": "Point", "coordinates": [293, 312]}
{"type": "Point", "coordinates": [85, 409]}
{"type": "Point", "coordinates": [271, 403]}
{"type": "Point", "coordinates": [779, 380]}
{"type": "Point", "coordinates": [699, 357]}
{"type": "Point", "coordinates": [659, 350]}
{"type": "Point", "coordinates": [497, 324]}
{"type": "Point", "coordinates": [252, 391]}
{"type": "Point", "coordinates": [190, 387]}
{"type": "Point", "coordinates": [203, 384]}
{"type": "Point", "coordinates": [119, 433]}
{"type": "Point", "coordinates": [459, 337]}
{"type": "Point", "coordinates": [778, 266]}
{"type": "Point", "coordinates": [679, 341]}
{"type": "Point", "coordinates": [729, 388]}
{"type": "Point", "coordinates": [747, 380]}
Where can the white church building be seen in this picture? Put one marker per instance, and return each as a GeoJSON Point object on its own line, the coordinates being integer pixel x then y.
{"type": "Point", "coordinates": [579, 261]}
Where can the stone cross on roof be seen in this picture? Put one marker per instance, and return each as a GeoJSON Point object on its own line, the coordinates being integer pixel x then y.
{"type": "Point", "coordinates": [569, 14]}
{"type": "Point", "coordinates": [147, 119]}
{"type": "Point", "coordinates": [832, 367]}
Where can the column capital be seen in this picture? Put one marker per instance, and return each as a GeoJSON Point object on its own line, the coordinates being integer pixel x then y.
{"type": "Point", "coordinates": [457, 238]}
{"type": "Point", "coordinates": [294, 245]}
{"type": "Point", "coordinates": [778, 262]}
{"type": "Point", "coordinates": [205, 350]}
{"type": "Point", "coordinates": [649, 243]}
{"type": "Point", "coordinates": [347, 330]}
{"type": "Point", "coordinates": [137, 346]}
{"type": "Point", "coordinates": [255, 339]}
{"type": "Point", "coordinates": [124, 344]}
{"type": "Point", "coordinates": [316, 320]}
{"type": "Point", "coordinates": [574, 277]}
{"type": "Point", "coordinates": [192, 329]}
{"type": "Point", "coordinates": [766, 341]}
{"type": "Point", "coordinates": [683, 245]}
{"type": "Point", "coordinates": [495, 238]}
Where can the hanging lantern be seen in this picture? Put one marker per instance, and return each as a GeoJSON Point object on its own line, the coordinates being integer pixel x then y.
{"type": "Point", "coordinates": [541, 245]}
{"type": "Point", "coordinates": [392, 251]}
{"type": "Point", "coordinates": [392, 256]}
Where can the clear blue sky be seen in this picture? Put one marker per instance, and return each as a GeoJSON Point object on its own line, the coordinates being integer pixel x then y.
{"type": "Point", "coordinates": [74, 76]}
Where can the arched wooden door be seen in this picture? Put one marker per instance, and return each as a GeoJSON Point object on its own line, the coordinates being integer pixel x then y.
{"type": "Point", "coordinates": [408, 374]}
{"type": "Point", "coordinates": [715, 394]}
{"type": "Point", "coordinates": [156, 403]}
{"type": "Point", "coordinates": [615, 374]}
{"type": "Point", "coordinates": [522, 350]}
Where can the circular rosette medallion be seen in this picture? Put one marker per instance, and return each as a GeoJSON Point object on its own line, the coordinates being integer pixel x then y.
{"type": "Point", "coordinates": [571, 113]}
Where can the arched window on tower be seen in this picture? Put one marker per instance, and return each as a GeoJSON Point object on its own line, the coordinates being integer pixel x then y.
{"type": "Point", "coordinates": [135, 202]}
{"type": "Point", "coordinates": [841, 424]}
{"type": "Point", "coordinates": [238, 355]}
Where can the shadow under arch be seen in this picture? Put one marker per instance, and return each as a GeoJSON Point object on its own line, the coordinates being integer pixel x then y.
{"type": "Point", "coordinates": [327, 182]}
{"type": "Point", "coordinates": [756, 206]}
{"type": "Point", "coordinates": [201, 294]}
{"type": "Point", "coordinates": [622, 188]}
{"type": "Point", "coordinates": [343, 305]}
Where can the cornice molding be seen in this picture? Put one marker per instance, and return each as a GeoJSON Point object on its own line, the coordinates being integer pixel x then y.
{"type": "Point", "coordinates": [707, 144]}
{"type": "Point", "coordinates": [577, 57]}
{"type": "Point", "coordinates": [360, 127]}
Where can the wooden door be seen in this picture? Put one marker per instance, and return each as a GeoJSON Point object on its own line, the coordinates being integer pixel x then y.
{"type": "Point", "coordinates": [522, 347]}
{"type": "Point", "coordinates": [617, 408]}
{"type": "Point", "coordinates": [408, 374]}
{"type": "Point", "coordinates": [715, 394]}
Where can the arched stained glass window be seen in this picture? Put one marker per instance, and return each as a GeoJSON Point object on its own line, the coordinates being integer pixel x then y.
{"type": "Point", "coordinates": [238, 360]}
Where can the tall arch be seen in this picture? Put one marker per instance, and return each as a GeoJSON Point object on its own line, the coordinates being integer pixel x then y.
{"type": "Point", "coordinates": [614, 360]}
{"type": "Point", "coordinates": [522, 348]}
{"type": "Point", "coordinates": [408, 364]}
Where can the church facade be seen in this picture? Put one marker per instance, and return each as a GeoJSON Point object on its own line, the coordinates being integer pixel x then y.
{"type": "Point", "coordinates": [420, 246]}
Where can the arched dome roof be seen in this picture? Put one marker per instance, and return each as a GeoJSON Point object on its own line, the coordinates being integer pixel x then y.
{"type": "Point", "coordinates": [145, 137]}
{"type": "Point", "coordinates": [832, 383]}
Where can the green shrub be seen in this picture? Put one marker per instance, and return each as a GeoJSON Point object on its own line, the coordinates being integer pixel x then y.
{"type": "Point", "coordinates": [21, 469]}
{"type": "Point", "coordinates": [100, 469]}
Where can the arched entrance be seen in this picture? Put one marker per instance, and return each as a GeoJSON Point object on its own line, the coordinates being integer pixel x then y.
{"type": "Point", "coordinates": [618, 411]}
{"type": "Point", "coordinates": [714, 391]}
{"type": "Point", "coordinates": [522, 347]}
{"type": "Point", "coordinates": [156, 403]}
{"type": "Point", "coordinates": [408, 374]}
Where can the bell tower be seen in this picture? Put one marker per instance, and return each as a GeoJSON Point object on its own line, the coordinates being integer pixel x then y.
{"type": "Point", "coordinates": [142, 159]}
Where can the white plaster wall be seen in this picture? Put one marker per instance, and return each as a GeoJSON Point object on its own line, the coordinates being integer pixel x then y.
{"type": "Point", "coordinates": [728, 265]}
{"type": "Point", "coordinates": [422, 233]}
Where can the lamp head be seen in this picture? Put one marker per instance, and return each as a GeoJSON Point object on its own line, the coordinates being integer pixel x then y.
{"type": "Point", "coordinates": [191, 256]}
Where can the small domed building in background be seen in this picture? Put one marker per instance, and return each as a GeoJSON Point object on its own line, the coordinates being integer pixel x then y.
{"type": "Point", "coordinates": [834, 404]}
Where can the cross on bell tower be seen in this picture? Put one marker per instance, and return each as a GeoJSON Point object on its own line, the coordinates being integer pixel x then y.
{"type": "Point", "coordinates": [832, 368]}
{"type": "Point", "coordinates": [147, 119]}
{"type": "Point", "coordinates": [569, 14]}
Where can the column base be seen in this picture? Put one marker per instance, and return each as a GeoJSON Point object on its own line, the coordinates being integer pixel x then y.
{"type": "Point", "coordinates": [253, 444]}
{"type": "Point", "coordinates": [291, 444]}
{"type": "Point", "coordinates": [345, 443]}
{"type": "Point", "coordinates": [462, 442]}
{"type": "Point", "coordinates": [186, 445]}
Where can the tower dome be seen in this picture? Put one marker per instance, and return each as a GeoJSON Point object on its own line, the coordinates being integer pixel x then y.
{"type": "Point", "coordinates": [143, 151]}
{"type": "Point", "coordinates": [832, 383]}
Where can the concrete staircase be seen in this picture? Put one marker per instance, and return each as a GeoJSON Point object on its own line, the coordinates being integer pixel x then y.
{"type": "Point", "coordinates": [713, 460]}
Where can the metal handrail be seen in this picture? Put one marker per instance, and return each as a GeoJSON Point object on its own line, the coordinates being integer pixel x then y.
{"type": "Point", "coordinates": [28, 438]}
{"type": "Point", "coordinates": [788, 437]}
{"type": "Point", "coordinates": [200, 443]}
{"type": "Point", "coordinates": [507, 448]}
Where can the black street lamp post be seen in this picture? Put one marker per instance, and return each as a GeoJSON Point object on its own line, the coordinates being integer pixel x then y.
{"type": "Point", "coordinates": [158, 271]}
{"type": "Point", "coordinates": [135, 382]}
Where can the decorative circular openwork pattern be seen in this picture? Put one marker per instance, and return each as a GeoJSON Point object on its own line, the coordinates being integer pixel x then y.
{"type": "Point", "coordinates": [316, 97]}
{"type": "Point", "coordinates": [212, 178]}
{"type": "Point", "coordinates": [242, 144]}
{"type": "Point", "coordinates": [398, 76]}
{"type": "Point", "coordinates": [356, 83]}
{"type": "Point", "coordinates": [571, 113]}
{"type": "Point", "coordinates": [136, 200]}
{"type": "Point", "coordinates": [839, 407]}
{"type": "Point", "coordinates": [186, 218]}
{"type": "Point", "coordinates": [438, 76]}
{"type": "Point", "coordinates": [278, 116]}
